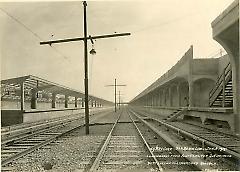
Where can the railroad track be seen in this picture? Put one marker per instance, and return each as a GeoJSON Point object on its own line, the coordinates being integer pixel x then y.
{"type": "Point", "coordinates": [230, 144]}
{"type": "Point", "coordinates": [132, 144]}
{"type": "Point", "coordinates": [124, 150]}
{"type": "Point", "coordinates": [21, 131]}
{"type": "Point", "coordinates": [6, 129]}
{"type": "Point", "coordinates": [20, 146]}
{"type": "Point", "coordinates": [134, 149]}
{"type": "Point", "coordinates": [24, 146]}
{"type": "Point", "coordinates": [225, 140]}
{"type": "Point", "coordinates": [24, 131]}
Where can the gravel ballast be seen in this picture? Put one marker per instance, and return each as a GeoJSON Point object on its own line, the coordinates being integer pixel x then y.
{"type": "Point", "coordinates": [72, 154]}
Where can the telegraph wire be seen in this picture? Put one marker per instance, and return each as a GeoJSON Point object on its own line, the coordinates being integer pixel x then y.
{"type": "Point", "coordinates": [217, 53]}
{"type": "Point", "coordinates": [174, 20]}
{"type": "Point", "coordinates": [19, 22]}
{"type": "Point", "coordinates": [30, 30]}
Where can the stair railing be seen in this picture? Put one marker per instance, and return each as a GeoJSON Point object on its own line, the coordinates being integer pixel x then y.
{"type": "Point", "coordinates": [220, 85]}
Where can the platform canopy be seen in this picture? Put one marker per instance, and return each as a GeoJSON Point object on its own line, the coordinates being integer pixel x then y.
{"type": "Point", "coordinates": [38, 84]}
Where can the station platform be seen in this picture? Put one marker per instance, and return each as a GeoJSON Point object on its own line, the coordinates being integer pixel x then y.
{"type": "Point", "coordinates": [203, 114]}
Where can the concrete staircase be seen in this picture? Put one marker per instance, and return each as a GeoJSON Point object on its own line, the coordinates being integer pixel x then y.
{"type": "Point", "coordinates": [222, 95]}
{"type": "Point", "coordinates": [173, 116]}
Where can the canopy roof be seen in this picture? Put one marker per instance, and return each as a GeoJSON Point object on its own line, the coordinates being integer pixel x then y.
{"type": "Point", "coordinates": [38, 84]}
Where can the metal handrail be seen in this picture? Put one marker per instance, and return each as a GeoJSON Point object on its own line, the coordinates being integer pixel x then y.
{"type": "Point", "coordinates": [218, 86]}
{"type": "Point", "coordinates": [220, 77]}
{"type": "Point", "coordinates": [218, 80]}
{"type": "Point", "coordinates": [226, 72]}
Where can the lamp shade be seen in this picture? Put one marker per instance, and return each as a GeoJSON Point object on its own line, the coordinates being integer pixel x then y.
{"type": "Point", "coordinates": [93, 52]}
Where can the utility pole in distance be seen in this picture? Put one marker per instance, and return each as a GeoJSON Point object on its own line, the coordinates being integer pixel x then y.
{"type": "Point", "coordinates": [85, 39]}
{"type": "Point", "coordinates": [115, 91]}
{"type": "Point", "coordinates": [119, 100]}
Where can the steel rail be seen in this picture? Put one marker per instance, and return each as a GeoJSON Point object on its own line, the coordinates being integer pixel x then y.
{"type": "Point", "coordinates": [15, 127]}
{"type": "Point", "coordinates": [198, 138]}
{"type": "Point", "coordinates": [212, 130]}
{"type": "Point", "coordinates": [99, 157]}
{"type": "Point", "coordinates": [37, 146]}
{"type": "Point", "coordinates": [146, 144]}
{"type": "Point", "coordinates": [174, 145]}
{"type": "Point", "coordinates": [42, 130]}
{"type": "Point", "coordinates": [14, 133]}
{"type": "Point", "coordinates": [39, 128]}
{"type": "Point", "coordinates": [24, 125]}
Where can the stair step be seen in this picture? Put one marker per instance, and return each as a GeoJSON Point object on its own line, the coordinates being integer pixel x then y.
{"type": "Point", "coordinates": [228, 91]}
{"type": "Point", "coordinates": [226, 97]}
{"type": "Point", "coordinates": [229, 96]}
{"type": "Point", "coordinates": [218, 100]}
{"type": "Point", "coordinates": [222, 101]}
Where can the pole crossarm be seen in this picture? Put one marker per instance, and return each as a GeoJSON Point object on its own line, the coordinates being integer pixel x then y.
{"type": "Point", "coordinates": [82, 39]}
{"type": "Point", "coordinates": [114, 85]}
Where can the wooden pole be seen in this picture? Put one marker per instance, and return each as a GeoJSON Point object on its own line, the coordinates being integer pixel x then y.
{"type": "Point", "coordinates": [115, 93]}
{"type": "Point", "coordinates": [86, 69]}
{"type": "Point", "coordinates": [119, 99]}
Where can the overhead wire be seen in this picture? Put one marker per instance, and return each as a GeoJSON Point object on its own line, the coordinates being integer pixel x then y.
{"type": "Point", "coordinates": [166, 22]}
{"type": "Point", "coordinates": [40, 39]}
{"type": "Point", "coordinates": [214, 54]}
{"type": "Point", "coordinates": [217, 53]}
{"type": "Point", "coordinates": [31, 31]}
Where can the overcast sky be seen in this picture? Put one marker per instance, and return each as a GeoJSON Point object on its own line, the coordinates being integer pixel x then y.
{"type": "Point", "coordinates": [161, 32]}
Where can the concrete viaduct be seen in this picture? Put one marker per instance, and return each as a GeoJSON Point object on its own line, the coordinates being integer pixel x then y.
{"type": "Point", "coordinates": [208, 88]}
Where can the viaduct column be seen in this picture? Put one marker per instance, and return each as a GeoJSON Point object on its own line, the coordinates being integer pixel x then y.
{"type": "Point", "coordinates": [149, 100]}
{"type": "Point", "coordinates": [170, 96]}
{"type": "Point", "coordinates": [190, 78]}
{"type": "Point", "coordinates": [154, 99]}
{"type": "Point", "coordinates": [178, 95]}
{"type": "Point", "coordinates": [159, 98]}
{"type": "Point", "coordinates": [190, 94]}
{"type": "Point", "coordinates": [164, 98]}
